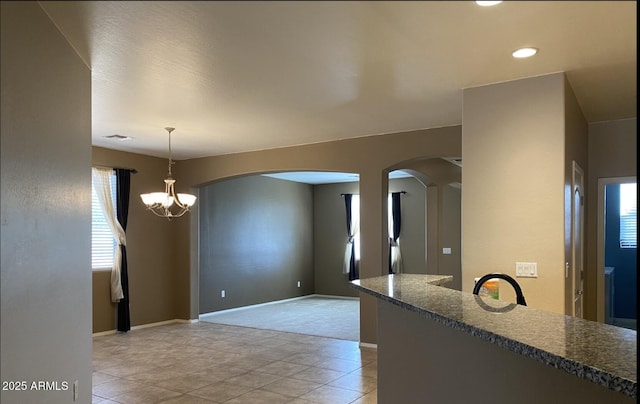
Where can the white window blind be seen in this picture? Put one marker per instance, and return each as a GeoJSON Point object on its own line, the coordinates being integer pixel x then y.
{"type": "Point", "coordinates": [628, 216]}
{"type": "Point", "coordinates": [102, 241]}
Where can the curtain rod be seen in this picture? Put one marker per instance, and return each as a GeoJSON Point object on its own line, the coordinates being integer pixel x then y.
{"type": "Point", "coordinates": [133, 170]}
{"type": "Point", "coordinates": [401, 192]}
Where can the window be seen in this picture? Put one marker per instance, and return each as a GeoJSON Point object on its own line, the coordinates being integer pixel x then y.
{"type": "Point", "coordinates": [102, 241]}
{"type": "Point", "coordinates": [628, 216]}
{"type": "Point", "coordinates": [355, 214]}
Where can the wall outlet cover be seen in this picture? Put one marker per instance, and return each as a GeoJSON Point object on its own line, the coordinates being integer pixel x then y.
{"type": "Point", "coordinates": [526, 269]}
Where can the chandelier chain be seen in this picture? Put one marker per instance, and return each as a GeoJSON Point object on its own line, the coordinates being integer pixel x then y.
{"type": "Point", "coordinates": [168, 129]}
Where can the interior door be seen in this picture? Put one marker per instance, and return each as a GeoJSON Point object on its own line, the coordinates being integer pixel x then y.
{"type": "Point", "coordinates": [577, 239]}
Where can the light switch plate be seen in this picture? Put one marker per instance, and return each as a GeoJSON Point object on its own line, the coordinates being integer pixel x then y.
{"type": "Point", "coordinates": [526, 269]}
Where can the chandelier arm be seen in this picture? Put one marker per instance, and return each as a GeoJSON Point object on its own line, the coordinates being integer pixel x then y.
{"type": "Point", "coordinates": [161, 211]}
{"type": "Point", "coordinates": [177, 202]}
{"type": "Point", "coordinates": [171, 191]}
{"type": "Point", "coordinates": [181, 213]}
{"type": "Point", "coordinates": [157, 210]}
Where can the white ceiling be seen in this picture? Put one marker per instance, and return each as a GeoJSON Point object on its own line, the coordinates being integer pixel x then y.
{"type": "Point", "coordinates": [248, 75]}
{"type": "Point", "coordinates": [326, 177]}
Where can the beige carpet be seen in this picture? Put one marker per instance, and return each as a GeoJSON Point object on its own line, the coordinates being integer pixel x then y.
{"type": "Point", "coordinates": [312, 315]}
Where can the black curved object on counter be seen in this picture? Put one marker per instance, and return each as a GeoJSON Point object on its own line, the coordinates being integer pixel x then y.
{"type": "Point", "coordinates": [519, 296]}
{"type": "Point", "coordinates": [492, 309]}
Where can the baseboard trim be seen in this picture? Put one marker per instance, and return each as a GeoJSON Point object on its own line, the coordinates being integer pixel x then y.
{"type": "Point", "coordinates": [335, 297]}
{"type": "Point", "coordinates": [368, 345]}
{"type": "Point", "coordinates": [103, 333]}
{"type": "Point", "coordinates": [143, 326]}
{"type": "Point", "coordinates": [253, 306]}
{"type": "Point", "coordinates": [190, 321]}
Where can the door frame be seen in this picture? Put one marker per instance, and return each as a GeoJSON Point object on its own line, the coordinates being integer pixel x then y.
{"type": "Point", "coordinates": [600, 207]}
{"type": "Point", "coordinates": [577, 241]}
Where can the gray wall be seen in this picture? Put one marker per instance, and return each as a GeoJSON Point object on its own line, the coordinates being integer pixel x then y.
{"type": "Point", "coordinates": [330, 238]}
{"type": "Point", "coordinates": [264, 213]}
{"type": "Point", "coordinates": [256, 242]}
{"type": "Point", "coordinates": [449, 235]}
{"type": "Point", "coordinates": [45, 210]}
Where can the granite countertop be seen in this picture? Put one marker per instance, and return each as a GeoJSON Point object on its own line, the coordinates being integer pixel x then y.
{"type": "Point", "coordinates": [598, 352]}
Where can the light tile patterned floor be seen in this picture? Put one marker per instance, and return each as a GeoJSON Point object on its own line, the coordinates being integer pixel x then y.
{"type": "Point", "coordinates": [217, 363]}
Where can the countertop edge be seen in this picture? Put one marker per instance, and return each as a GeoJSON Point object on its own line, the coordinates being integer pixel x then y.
{"type": "Point", "coordinates": [595, 375]}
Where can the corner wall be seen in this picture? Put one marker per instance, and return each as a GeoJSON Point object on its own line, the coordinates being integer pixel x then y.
{"type": "Point", "coordinates": [45, 211]}
{"type": "Point", "coordinates": [575, 150]}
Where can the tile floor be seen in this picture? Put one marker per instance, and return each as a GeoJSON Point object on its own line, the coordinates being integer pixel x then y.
{"type": "Point", "coordinates": [217, 363]}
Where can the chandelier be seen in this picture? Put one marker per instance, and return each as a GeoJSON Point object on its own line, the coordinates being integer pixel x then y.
{"type": "Point", "coordinates": [168, 204]}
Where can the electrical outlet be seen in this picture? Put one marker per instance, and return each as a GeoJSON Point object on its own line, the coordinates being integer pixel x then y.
{"type": "Point", "coordinates": [223, 294]}
{"type": "Point", "coordinates": [526, 269]}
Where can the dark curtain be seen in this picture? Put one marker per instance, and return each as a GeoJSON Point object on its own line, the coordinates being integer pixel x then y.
{"type": "Point", "coordinates": [123, 190]}
{"type": "Point", "coordinates": [396, 214]}
{"type": "Point", "coordinates": [353, 265]}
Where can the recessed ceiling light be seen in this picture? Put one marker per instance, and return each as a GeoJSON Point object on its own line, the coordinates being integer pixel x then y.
{"type": "Point", "coordinates": [119, 137]}
{"type": "Point", "coordinates": [487, 3]}
{"type": "Point", "coordinates": [524, 52]}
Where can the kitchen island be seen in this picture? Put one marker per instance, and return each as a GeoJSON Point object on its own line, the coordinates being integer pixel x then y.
{"type": "Point", "coordinates": [444, 346]}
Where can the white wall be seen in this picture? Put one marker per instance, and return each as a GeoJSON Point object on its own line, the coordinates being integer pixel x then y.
{"type": "Point", "coordinates": [45, 210]}
{"type": "Point", "coordinates": [513, 146]}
